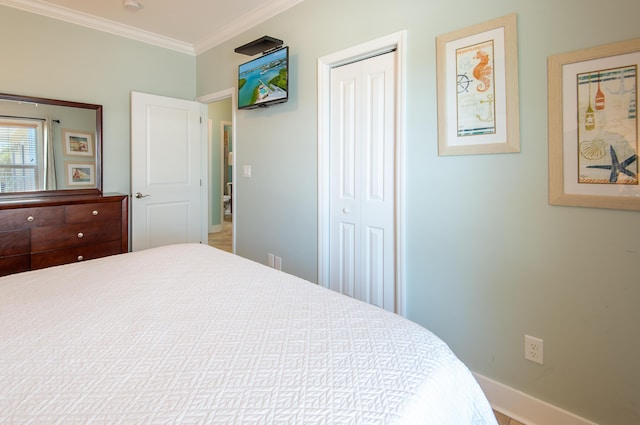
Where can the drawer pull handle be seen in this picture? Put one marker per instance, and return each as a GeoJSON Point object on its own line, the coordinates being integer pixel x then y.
{"type": "Point", "coordinates": [30, 218]}
{"type": "Point", "coordinates": [80, 258]}
{"type": "Point", "coordinates": [94, 212]}
{"type": "Point", "coordinates": [80, 235]}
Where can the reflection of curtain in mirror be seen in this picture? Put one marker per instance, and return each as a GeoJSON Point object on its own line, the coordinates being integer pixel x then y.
{"type": "Point", "coordinates": [49, 162]}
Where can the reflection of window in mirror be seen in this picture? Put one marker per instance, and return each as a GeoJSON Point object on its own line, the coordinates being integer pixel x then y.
{"type": "Point", "coordinates": [22, 159]}
{"type": "Point", "coordinates": [34, 148]}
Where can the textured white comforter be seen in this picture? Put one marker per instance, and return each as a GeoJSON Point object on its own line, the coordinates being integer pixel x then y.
{"type": "Point", "coordinates": [189, 334]}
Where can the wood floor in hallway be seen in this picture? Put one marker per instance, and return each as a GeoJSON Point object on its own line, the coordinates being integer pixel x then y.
{"type": "Point", "coordinates": [224, 239]}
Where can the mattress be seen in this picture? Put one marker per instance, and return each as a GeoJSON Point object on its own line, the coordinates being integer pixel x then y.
{"type": "Point", "coordinates": [189, 334]}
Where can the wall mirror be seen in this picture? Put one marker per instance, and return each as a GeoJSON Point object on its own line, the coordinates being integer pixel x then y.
{"type": "Point", "coordinates": [49, 147]}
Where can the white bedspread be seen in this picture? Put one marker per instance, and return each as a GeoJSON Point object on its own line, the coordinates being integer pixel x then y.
{"type": "Point", "coordinates": [188, 334]}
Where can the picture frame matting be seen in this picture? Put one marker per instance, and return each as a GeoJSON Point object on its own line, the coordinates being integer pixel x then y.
{"type": "Point", "coordinates": [593, 130]}
{"type": "Point", "coordinates": [78, 143]}
{"type": "Point", "coordinates": [80, 174]}
{"type": "Point", "coordinates": [478, 100]}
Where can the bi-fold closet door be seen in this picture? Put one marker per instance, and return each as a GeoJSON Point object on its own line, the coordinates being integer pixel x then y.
{"type": "Point", "coordinates": [362, 182]}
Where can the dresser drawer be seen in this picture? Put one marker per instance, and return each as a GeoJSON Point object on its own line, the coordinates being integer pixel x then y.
{"type": "Point", "coordinates": [52, 230]}
{"type": "Point", "coordinates": [14, 264]}
{"type": "Point", "coordinates": [99, 211]}
{"type": "Point", "coordinates": [14, 243]}
{"type": "Point", "coordinates": [58, 257]}
{"type": "Point", "coordinates": [71, 235]}
{"type": "Point", "coordinates": [25, 218]}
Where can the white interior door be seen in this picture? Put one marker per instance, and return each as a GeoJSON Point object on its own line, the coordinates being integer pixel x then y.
{"type": "Point", "coordinates": [362, 183]}
{"type": "Point", "coordinates": [167, 173]}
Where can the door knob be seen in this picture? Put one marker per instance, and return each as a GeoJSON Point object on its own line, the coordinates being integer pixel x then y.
{"type": "Point", "coordinates": [345, 210]}
{"type": "Point", "coordinates": [140, 195]}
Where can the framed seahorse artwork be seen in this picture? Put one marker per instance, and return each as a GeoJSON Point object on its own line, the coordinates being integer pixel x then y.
{"type": "Point", "coordinates": [477, 72]}
{"type": "Point", "coordinates": [594, 131]}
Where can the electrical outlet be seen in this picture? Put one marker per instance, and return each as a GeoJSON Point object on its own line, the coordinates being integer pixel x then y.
{"type": "Point", "coordinates": [533, 349]}
{"type": "Point", "coordinates": [278, 264]}
{"type": "Point", "coordinates": [270, 260]}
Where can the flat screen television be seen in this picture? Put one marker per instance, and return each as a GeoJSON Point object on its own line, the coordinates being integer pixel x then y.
{"type": "Point", "coordinates": [264, 81]}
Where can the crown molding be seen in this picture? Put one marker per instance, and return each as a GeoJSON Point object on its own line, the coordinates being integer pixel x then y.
{"type": "Point", "coordinates": [99, 24]}
{"type": "Point", "coordinates": [223, 34]}
{"type": "Point", "coordinates": [246, 21]}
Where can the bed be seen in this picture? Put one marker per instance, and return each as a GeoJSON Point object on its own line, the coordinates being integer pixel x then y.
{"type": "Point", "coordinates": [189, 334]}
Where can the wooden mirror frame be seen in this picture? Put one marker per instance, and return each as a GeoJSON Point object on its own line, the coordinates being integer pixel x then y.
{"type": "Point", "coordinates": [98, 148]}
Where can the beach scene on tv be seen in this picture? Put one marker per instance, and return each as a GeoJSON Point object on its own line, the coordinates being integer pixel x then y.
{"type": "Point", "coordinates": [263, 80]}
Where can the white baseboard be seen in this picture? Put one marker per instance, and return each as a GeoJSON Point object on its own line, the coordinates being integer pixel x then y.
{"type": "Point", "coordinates": [215, 228]}
{"type": "Point", "coordinates": [524, 408]}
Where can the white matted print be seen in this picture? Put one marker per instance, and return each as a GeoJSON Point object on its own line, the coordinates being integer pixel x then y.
{"type": "Point", "coordinates": [478, 89]}
{"type": "Point", "coordinates": [78, 143]}
{"type": "Point", "coordinates": [594, 127]}
{"type": "Point", "coordinates": [81, 174]}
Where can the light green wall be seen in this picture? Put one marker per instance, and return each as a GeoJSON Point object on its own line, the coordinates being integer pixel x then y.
{"type": "Point", "coordinates": [218, 111]}
{"type": "Point", "coordinates": [487, 259]}
{"type": "Point", "coordinates": [49, 58]}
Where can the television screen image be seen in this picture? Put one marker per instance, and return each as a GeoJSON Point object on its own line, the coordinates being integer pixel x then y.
{"type": "Point", "coordinates": [264, 81]}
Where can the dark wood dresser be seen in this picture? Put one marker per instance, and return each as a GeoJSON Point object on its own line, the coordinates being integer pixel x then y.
{"type": "Point", "coordinates": [49, 231]}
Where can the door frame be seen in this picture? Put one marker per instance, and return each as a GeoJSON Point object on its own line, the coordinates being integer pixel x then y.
{"type": "Point", "coordinates": [210, 98]}
{"type": "Point", "coordinates": [397, 42]}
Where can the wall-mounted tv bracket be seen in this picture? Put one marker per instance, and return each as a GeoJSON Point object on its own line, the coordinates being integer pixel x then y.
{"type": "Point", "coordinates": [261, 45]}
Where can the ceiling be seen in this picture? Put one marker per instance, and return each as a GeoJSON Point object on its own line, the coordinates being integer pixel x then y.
{"type": "Point", "coordinates": [188, 26]}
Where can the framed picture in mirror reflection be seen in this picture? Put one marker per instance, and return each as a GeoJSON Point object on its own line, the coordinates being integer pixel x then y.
{"type": "Point", "coordinates": [78, 143]}
{"type": "Point", "coordinates": [81, 174]}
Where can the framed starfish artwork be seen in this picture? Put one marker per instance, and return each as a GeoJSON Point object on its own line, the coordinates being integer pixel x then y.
{"type": "Point", "coordinates": [477, 74]}
{"type": "Point", "coordinates": [594, 131]}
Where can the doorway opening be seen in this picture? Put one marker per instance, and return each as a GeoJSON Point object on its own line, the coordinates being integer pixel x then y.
{"type": "Point", "coordinates": [221, 171]}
